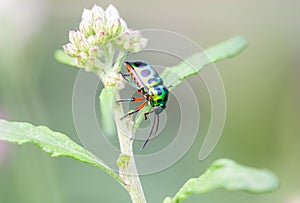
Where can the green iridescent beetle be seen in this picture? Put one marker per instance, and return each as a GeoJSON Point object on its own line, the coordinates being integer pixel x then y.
{"type": "Point", "coordinates": [148, 83]}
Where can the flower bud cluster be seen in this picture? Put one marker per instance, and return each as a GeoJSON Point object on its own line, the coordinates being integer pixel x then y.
{"type": "Point", "coordinates": [99, 31]}
{"type": "Point", "coordinates": [114, 79]}
{"type": "Point", "coordinates": [131, 40]}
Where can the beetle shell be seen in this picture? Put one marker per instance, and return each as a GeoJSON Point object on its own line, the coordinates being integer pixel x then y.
{"type": "Point", "coordinates": [148, 80]}
{"type": "Point", "coordinates": [143, 74]}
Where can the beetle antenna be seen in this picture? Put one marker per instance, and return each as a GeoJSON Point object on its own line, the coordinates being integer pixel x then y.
{"type": "Point", "coordinates": [150, 133]}
{"type": "Point", "coordinates": [157, 123]}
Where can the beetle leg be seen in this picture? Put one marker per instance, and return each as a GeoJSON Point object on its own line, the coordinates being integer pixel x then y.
{"type": "Point", "coordinates": [141, 91]}
{"type": "Point", "coordinates": [124, 76]}
{"type": "Point", "coordinates": [132, 99]}
{"type": "Point", "coordinates": [136, 110]}
{"type": "Point", "coordinates": [146, 114]}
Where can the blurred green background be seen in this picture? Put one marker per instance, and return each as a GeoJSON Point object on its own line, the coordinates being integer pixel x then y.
{"type": "Point", "coordinates": [262, 86]}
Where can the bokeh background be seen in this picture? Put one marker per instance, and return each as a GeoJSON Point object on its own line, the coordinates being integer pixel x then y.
{"type": "Point", "coordinates": [262, 86]}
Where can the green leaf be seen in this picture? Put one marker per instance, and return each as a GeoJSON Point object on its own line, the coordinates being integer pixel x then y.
{"type": "Point", "coordinates": [228, 175]}
{"type": "Point", "coordinates": [107, 100]}
{"type": "Point", "coordinates": [173, 76]}
{"type": "Point", "coordinates": [54, 143]}
{"type": "Point", "coordinates": [62, 57]}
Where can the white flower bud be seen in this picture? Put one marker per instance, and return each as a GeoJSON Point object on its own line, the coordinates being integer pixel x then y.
{"type": "Point", "coordinates": [98, 12]}
{"type": "Point", "coordinates": [83, 45]}
{"type": "Point", "coordinates": [136, 47]}
{"type": "Point", "coordinates": [127, 44]}
{"type": "Point", "coordinates": [101, 37]}
{"type": "Point", "coordinates": [87, 15]}
{"type": "Point", "coordinates": [119, 41]}
{"type": "Point", "coordinates": [78, 63]}
{"type": "Point", "coordinates": [95, 52]}
{"type": "Point", "coordinates": [82, 57]}
{"type": "Point", "coordinates": [114, 79]}
{"type": "Point", "coordinates": [123, 38]}
{"type": "Point", "coordinates": [91, 40]}
{"type": "Point", "coordinates": [114, 28]}
{"type": "Point", "coordinates": [70, 49]}
{"type": "Point", "coordinates": [143, 42]}
{"type": "Point", "coordinates": [98, 25]}
{"type": "Point", "coordinates": [123, 25]}
{"type": "Point", "coordinates": [111, 13]}
{"type": "Point", "coordinates": [132, 40]}
{"type": "Point", "coordinates": [75, 37]}
{"type": "Point", "coordinates": [102, 30]}
{"type": "Point", "coordinates": [85, 28]}
{"type": "Point", "coordinates": [135, 35]}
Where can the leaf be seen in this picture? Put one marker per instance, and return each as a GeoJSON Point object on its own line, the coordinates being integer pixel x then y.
{"type": "Point", "coordinates": [229, 175]}
{"type": "Point", "coordinates": [62, 57]}
{"type": "Point", "coordinates": [173, 76]}
{"type": "Point", "coordinates": [107, 99]}
{"type": "Point", "coordinates": [54, 143]}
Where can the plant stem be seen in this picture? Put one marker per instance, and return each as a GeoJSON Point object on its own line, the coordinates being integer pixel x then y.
{"type": "Point", "coordinates": [128, 173]}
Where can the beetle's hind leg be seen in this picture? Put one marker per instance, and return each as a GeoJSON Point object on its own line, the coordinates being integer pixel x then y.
{"type": "Point", "coordinates": [135, 111]}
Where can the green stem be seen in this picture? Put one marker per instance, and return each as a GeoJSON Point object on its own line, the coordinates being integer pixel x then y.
{"type": "Point", "coordinates": [120, 60]}
{"type": "Point", "coordinates": [109, 52]}
{"type": "Point", "coordinates": [128, 172]}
